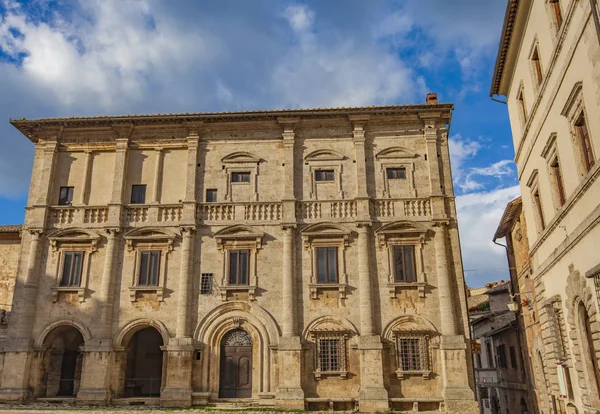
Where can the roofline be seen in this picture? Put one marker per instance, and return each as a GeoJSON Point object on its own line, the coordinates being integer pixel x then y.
{"type": "Point", "coordinates": [23, 125]}
{"type": "Point", "coordinates": [507, 217]}
{"type": "Point", "coordinates": [504, 44]}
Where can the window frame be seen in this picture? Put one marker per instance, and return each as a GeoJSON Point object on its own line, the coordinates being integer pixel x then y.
{"type": "Point", "coordinates": [585, 143]}
{"type": "Point", "coordinates": [536, 201]}
{"type": "Point", "coordinates": [133, 193]}
{"type": "Point", "coordinates": [148, 276]}
{"type": "Point", "coordinates": [65, 255]}
{"type": "Point", "coordinates": [206, 283]}
{"type": "Point", "coordinates": [327, 250]}
{"type": "Point", "coordinates": [238, 253]}
{"type": "Point", "coordinates": [242, 174]}
{"type": "Point", "coordinates": [550, 153]}
{"type": "Point", "coordinates": [522, 105]}
{"type": "Point", "coordinates": [556, 14]}
{"type": "Point", "coordinates": [70, 194]}
{"type": "Point", "coordinates": [395, 175]}
{"type": "Point", "coordinates": [402, 248]}
{"type": "Point", "coordinates": [423, 354]}
{"type": "Point", "coordinates": [536, 65]}
{"type": "Point", "coordinates": [213, 192]}
{"type": "Point", "coordinates": [322, 175]}
{"type": "Point", "coordinates": [342, 338]}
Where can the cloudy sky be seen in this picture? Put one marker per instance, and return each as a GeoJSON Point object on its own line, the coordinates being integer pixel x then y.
{"type": "Point", "coordinates": [114, 57]}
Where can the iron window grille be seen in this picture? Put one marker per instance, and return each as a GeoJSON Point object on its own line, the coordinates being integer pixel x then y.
{"type": "Point", "coordinates": [412, 354]}
{"type": "Point", "coordinates": [149, 268]}
{"type": "Point", "coordinates": [404, 264]}
{"type": "Point", "coordinates": [330, 354]}
{"type": "Point", "coordinates": [240, 177]}
{"type": "Point", "coordinates": [327, 264]}
{"type": "Point", "coordinates": [71, 269]}
{"type": "Point", "coordinates": [138, 194]}
{"type": "Point", "coordinates": [65, 196]}
{"type": "Point", "coordinates": [239, 267]}
{"type": "Point", "coordinates": [396, 173]}
{"type": "Point", "coordinates": [206, 283]}
{"type": "Point", "coordinates": [324, 175]}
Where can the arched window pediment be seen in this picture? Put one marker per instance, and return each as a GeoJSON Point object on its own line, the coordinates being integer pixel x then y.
{"type": "Point", "coordinates": [395, 153]}
{"type": "Point", "coordinates": [409, 323]}
{"type": "Point", "coordinates": [330, 323]}
{"type": "Point", "coordinates": [75, 236]}
{"type": "Point", "coordinates": [324, 155]}
{"type": "Point", "coordinates": [325, 231]}
{"type": "Point", "coordinates": [400, 229]}
{"type": "Point", "coordinates": [239, 157]}
{"type": "Point", "coordinates": [150, 234]}
{"type": "Point", "coordinates": [239, 233]}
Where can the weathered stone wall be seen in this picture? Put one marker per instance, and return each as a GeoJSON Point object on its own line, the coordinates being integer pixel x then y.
{"type": "Point", "coordinates": [10, 249]}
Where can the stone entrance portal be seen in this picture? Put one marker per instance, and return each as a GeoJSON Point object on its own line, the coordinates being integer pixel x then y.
{"type": "Point", "coordinates": [143, 375]}
{"type": "Point", "coordinates": [236, 365]}
{"type": "Point", "coordinates": [62, 362]}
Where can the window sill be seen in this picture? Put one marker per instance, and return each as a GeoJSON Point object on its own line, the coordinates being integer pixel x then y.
{"type": "Point", "coordinates": [315, 287]}
{"type": "Point", "coordinates": [392, 287]}
{"type": "Point", "coordinates": [241, 288]}
{"type": "Point", "coordinates": [81, 291]}
{"type": "Point", "coordinates": [320, 374]}
{"type": "Point", "coordinates": [426, 374]}
{"type": "Point", "coordinates": [159, 290]}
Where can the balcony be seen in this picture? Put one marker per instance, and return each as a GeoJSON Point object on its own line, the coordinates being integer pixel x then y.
{"type": "Point", "coordinates": [222, 213]}
{"type": "Point", "coordinates": [84, 216]}
{"type": "Point", "coordinates": [337, 210]}
{"type": "Point", "coordinates": [401, 208]}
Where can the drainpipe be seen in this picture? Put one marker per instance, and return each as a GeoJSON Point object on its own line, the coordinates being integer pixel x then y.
{"type": "Point", "coordinates": [595, 13]}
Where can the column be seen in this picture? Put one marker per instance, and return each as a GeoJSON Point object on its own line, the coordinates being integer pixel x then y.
{"type": "Point", "coordinates": [372, 393]}
{"type": "Point", "coordinates": [106, 288]}
{"type": "Point", "coordinates": [288, 312]}
{"type": "Point", "coordinates": [183, 294]}
{"type": "Point", "coordinates": [364, 282]}
{"type": "Point", "coordinates": [458, 396]}
{"type": "Point", "coordinates": [180, 351]}
{"type": "Point", "coordinates": [119, 180]}
{"type": "Point", "coordinates": [85, 182]}
{"type": "Point", "coordinates": [289, 194]}
{"type": "Point", "coordinates": [158, 168]}
{"type": "Point", "coordinates": [362, 196]}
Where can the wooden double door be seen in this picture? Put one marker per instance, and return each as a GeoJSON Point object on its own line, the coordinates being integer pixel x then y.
{"type": "Point", "coordinates": [236, 372]}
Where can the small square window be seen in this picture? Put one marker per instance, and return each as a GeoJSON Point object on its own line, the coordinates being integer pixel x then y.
{"type": "Point", "coordinates": [327, 262]}
{"type": "Point", "coordinates": [149, 268]}
{"type": "Point", "coordinates": [71, 269]}
{"type": "Point", "coordinates": [211, 195]}
{"type": "Point", "coordinates": [396, 173]}
{"type": "Point", "coordinates": [138, 194]}
{"type": "Point", "coordinates": [404, 263]}
{"type": "Point", "coordinates": [206, 284]}
{"type": "Point", "coordinates": [240, 177]}
{"type": "Point", "coordinates": [65, 196]}
{"type": "Point", "coordinates": [324, 175]}
{"type": "Point", "coordinates": [239, 267]}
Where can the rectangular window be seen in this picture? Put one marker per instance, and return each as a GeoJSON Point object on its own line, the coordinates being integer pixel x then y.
{"type": "Point", "coordinates": [537, 67]}
{"type": "Point", "coordinates": [513, 357]}
{"type": "Point", "coordinates": [149, 268]}
{"type": "Point", "coordinates": [522, 106]}
{"type": "Point", "coordinates": [596, 277]}
{"type": "Point", "coordinates": [324, 175]}
{"type": "Point", "coordinates": [404, 264]}
{"type": "Point", "coordinates": [206, 284]}
{"type": "Point", "coordinates": [558, 181]}
{"type": "Point", "coordinates": [211, 195]}
{"type": "Point", "coordinates": [537, 201]}
{"type": "Point", "coordinates": [327, 265]}
{"type": "Point", "coordinates": [65, 196]}
{"type": "Point", "coordinates": [396, 173]}
{"type": "Point", "coordinates": [71, 270]}
{"type": "Point", "coordinates": [478, 361]}
{"type": "Point", "coordinates": [329, 354]}
{"type": "Point", "coordinates": [501, 353]}
{"type": "Point", "coordinates": [240, 177]}
{"type": "Point", "coordinates": [239, 267]}
{"type": "Point", "coordinates": [584, 142]}
{"type": "Point", "coordinates": [489, 355]}
{"type": "Point", "coordinates": [555, 4]}
{"type": "Point", "coordinates": [138, 194]}
{"type": "Point", "coordinates": [413, 354]}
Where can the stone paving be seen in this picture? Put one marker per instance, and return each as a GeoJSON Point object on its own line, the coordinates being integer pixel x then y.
{"type": "Point", "coordinates": [42, 408]}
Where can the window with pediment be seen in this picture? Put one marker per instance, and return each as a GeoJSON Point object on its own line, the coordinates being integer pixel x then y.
{"type": "Point", "coordinates": [241, 170]}
{"type": "Point", "coordinates": [73, 250]}
{"type": "Point", "coordinates": [576, 114]}
{"type": "Point", "coordinates": [397, 167]}
{"type": "Point", "coordinates": [149, 250]}
{"type": "Point", "coordinates": [550, 153]}
{"type": "Point", "coordinates": [536, 201]}
{"type": "Point", "coordinates": [326, 244]}
{"type": "Point", "coordinates": [403, 243]}
{"type": "Point", "coordinates": [240, 246]}
{"type": "Point", "coordinates": [325, 168]}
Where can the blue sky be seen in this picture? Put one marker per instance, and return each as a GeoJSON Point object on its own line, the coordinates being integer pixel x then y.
{"type": "Point", "coordinates": [101, 57]}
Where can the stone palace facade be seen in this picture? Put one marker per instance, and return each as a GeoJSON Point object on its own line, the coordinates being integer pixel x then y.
{"type": "Point", "coordinates": [295, 258]}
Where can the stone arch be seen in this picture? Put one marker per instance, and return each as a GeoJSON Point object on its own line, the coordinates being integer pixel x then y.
{"type": "Point", "coordinates": [580, 296]}
{"type": "Point", "coordinates": [324, 155]}
{"type": "Point", "coordinates": [409, 323]}
{"type": "Point", "coordinates": [329, 322]}
{"type": "Point", "coordinates": [395, 152]}
{"type": "Point", "coordinates": [127, 331]}
{"type": "Point", "coordinates": [254, 320]}
{"type": "Point", "coordinates": [74, 323]}
{"type": "Point", "coordinates": [241, 157]}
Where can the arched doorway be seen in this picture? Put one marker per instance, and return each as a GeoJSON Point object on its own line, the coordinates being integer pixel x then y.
{"type": "Point", "coordinates": [62, 362]}
{"type": "Point", "coordinates": [236, 365]}
{"type": "Point", "coordinates": [143, 370]}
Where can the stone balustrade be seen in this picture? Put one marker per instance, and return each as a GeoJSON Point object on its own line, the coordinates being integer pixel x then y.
{"type": "Point", "coordinates": [326, 210]}
{"type": "Point", "coordinates": [401, 208]}
{"type": "Point", "coordinates": [69, 216]}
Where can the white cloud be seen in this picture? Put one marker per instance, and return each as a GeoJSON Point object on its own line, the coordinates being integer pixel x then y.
{"type": "Point", "coordinates": [478, 217]}
{"type": "Point", "coordinates": [300, 17]}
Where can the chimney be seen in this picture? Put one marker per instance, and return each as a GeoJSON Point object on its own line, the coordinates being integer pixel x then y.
{"type": "Point", "coordinates": [432, 98]}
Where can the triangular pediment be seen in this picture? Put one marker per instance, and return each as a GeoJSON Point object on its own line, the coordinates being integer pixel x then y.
{"type": "Point", "coordinates": [395, 153]}
{"type": "Point", "coordinates": [240, 157]}
{"type": "Point", "coordinates": [324, 155]}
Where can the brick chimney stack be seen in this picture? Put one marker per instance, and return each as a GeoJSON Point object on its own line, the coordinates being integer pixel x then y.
{"type": "Point", "coordinates": [432, 98]}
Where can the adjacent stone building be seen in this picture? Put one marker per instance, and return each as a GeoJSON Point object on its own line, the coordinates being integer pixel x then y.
{"type": "Point", "coordinates": [548, 68]}
{"type": "Point", "coordinates": [297, 258]}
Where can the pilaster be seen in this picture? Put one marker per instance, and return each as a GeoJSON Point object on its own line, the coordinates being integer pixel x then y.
{"type": "Point", "coordinates": [107, 287]}
{"type": "Point", "coordinates": [85, 180]}
{"type": "Point", "coordinates": [290, 395]}
{"type": "Point", "coordinates": [373, 397]}
{"type": "Point", "coordinates": [364, 281]}
{"type": "Point", "coordinates": [433, 156]}
{"type": "Point", "coordinates": [289, 280]}
{"type": "Point", "coordinates": [185, 274]}
{"type": "Point", "coordinates": [158, 173]}
{"type": "Point", "coordinates": [289, 197]}
{"type": "Point", "coordinates": [178, 379]}
{"type": "Point", "coordinates": [95, 372]}
{"type": "Point", "coordinates": [189, 202]}
{"type": "Point", "coordinates": [115, 206]}
{"type": "Point", "coordinates": [38, 211]}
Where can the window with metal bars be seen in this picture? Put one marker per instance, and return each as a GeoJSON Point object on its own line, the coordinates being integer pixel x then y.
{"type": "Point", "coordinates": [413, 353]}
{"type": "Point", "coordinates": [71, 269]}
{"type": "Point", "coordinates": [330, 355]}
{"type": "Point", "coordinates": [206, 284]}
